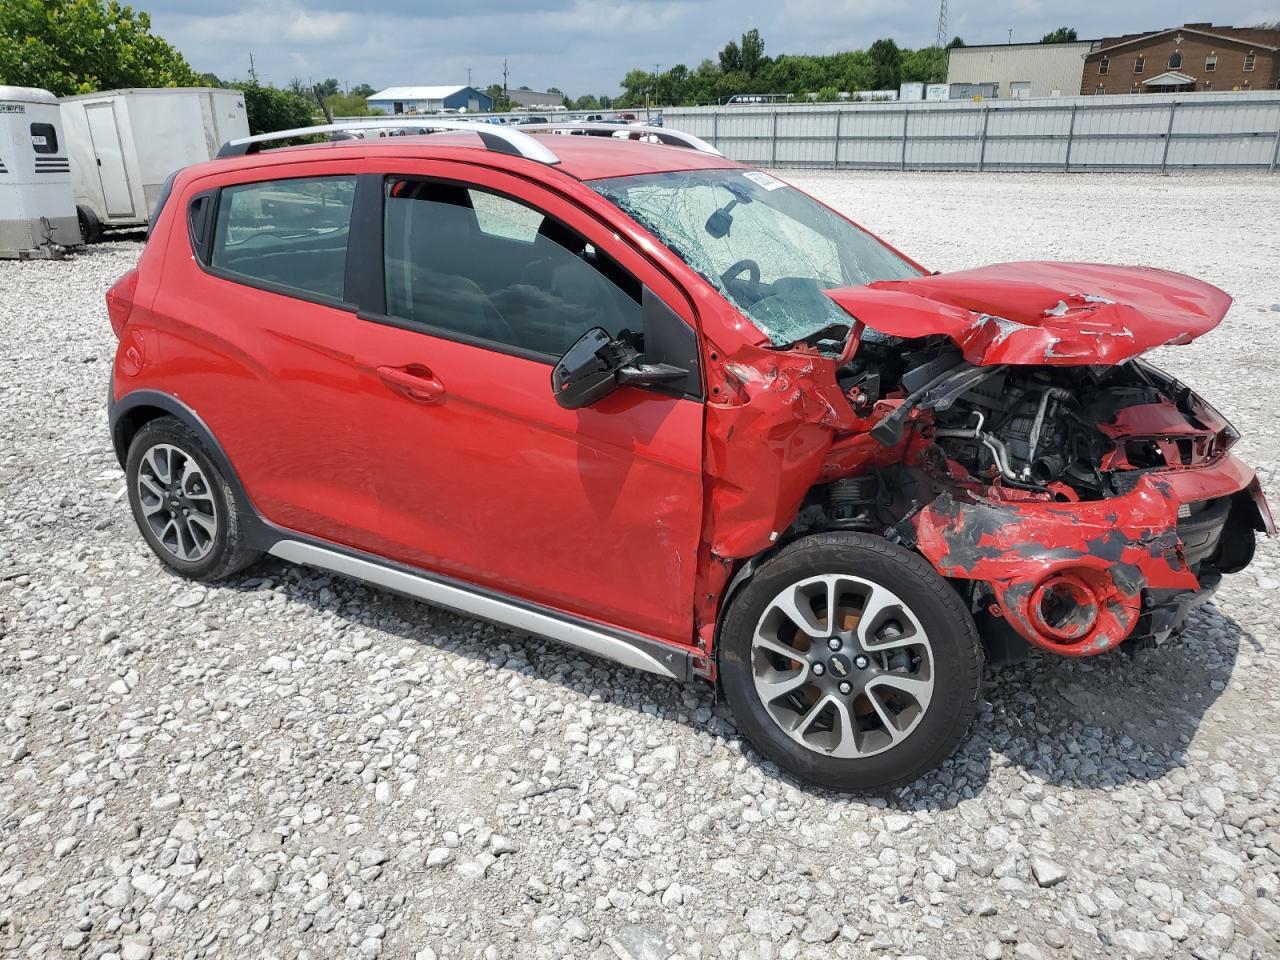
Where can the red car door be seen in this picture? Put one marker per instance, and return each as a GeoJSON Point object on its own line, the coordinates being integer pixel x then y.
{"type": "Point", "coordinates": [480, 475]}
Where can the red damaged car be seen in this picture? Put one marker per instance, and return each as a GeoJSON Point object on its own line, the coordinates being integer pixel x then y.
{"type": "Point", "coordinates": [658, 406]}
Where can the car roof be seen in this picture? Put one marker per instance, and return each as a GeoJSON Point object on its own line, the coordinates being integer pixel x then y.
{"type": "Point", "coordinates": [581, 157]}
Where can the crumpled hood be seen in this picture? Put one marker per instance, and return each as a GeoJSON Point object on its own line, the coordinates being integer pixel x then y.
{"type": "Point", "coordinates": [1043, 313]}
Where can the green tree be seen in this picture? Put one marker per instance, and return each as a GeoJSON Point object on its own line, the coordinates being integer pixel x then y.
{"type": "Point", "coordinates": [79, 46]}
{"type": "Point", "coordinates": [828, 95]}
{"type": "Point", "coordinates": [955, 42]}
{"type": "Point", "coordinates": [270, 109]}
{"type": "Point", "coordinates": [886, 64]}
{"type": "Point", "coordinates": [730, 57]}
{"type": "Point", "coordinates": [752, 52]}
{"type": "Point", "coordinates": [364, 90]}
{"type": "Point", "coordinates": [1061, 35]}
{"type": "Point", "coordinates": [349, 105]}
{"type": "Point", "coordinates": [327, 88]}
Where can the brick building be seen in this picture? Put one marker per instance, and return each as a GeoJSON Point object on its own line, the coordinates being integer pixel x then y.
{"type": "Point", "coordinates": [1193, 57]}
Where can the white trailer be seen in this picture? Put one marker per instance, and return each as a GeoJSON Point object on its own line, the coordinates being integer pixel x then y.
{"type": "Point", "coordinates": [37, 212]}
{"type": "Point", "coordinates": [125, 144]}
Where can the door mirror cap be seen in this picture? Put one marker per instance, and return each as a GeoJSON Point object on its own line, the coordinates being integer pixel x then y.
{"type": "Point", "coordinates": [597, 365]}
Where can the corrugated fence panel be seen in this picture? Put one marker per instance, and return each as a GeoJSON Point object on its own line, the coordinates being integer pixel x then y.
{"type": "Point", "coordinates": [1138, 132]}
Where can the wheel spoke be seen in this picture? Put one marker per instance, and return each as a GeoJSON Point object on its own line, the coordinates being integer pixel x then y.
{"type": "Point", "coordinates": [776, 646]}
{"type": "Point", "coordinates": [807, 719]}
{"type": "Point", "coordinates": [781, 684]}
{"type": "Point", "coordinates": [149, 485]}
{"type": "Point", "coordinates": [846, 741]}
{"type": "Point", "coordinates": [891, 728]}
{"type": "Point", "coordinates": [158, 458]}
{"type": "Point", "coordinates": [917, 688]}
{"type": "Point", "coordinates": [206, 524]}
{"type": "Point", "coordinates": [796, 607]}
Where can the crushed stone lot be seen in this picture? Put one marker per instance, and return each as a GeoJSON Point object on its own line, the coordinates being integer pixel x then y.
{"type": "Point", "coordinates": [292, 765]}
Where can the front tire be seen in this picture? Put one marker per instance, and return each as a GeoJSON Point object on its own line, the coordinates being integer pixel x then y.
{"type": "Point", "coordinates": [850, 662]}
{"type": "Point", "coordinates": [183, 505]}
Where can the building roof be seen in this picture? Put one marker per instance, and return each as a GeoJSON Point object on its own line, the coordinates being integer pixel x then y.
{"type": "Point", "coordinates": [1036, 43]}
{"type": "Point", "coordinates": [1170, 78]}
{"type": "Point", "coordinates": [419, 93]}
{"type": "Point", "coordinates": [1248, 41]}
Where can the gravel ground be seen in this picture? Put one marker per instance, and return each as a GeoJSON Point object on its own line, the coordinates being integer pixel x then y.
{"type": "Point", "coordinates": [293, 765]}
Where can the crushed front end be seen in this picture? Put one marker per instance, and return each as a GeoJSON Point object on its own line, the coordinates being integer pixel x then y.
{"type": "Point", "coordinates": [1079, 503]}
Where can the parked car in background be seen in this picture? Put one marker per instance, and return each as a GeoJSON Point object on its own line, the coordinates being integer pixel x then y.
{"type": "Point", "coordinates": [667, 409]}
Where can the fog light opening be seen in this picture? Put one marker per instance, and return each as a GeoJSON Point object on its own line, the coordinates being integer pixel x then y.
{"type": "Point", "coordinates": [1064, 608]}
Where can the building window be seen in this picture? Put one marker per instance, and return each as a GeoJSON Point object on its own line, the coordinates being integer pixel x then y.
{"type": "Point", "coordinates": [1100, 89]}
{"type": "Point", "coordinates": [1103, 65]}
{"type": "Point", "coordinates": [1248, 62]}
{"type": "Point", "coordinates": [1208, 85]}
{"type": "Point", "coordinates": [1175, 61]}
{"type": "Point", "coordinates": [1138, 64]}
{"type": "Point", "coordinates": [1211, 63]}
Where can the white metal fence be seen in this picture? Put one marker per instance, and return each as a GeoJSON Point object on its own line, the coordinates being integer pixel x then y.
{"type": "Point", "coordinates": [1153, 132]}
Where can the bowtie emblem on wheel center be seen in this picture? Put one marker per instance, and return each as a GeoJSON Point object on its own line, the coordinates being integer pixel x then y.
{"type": "Point", "coordinates": [840, 666]}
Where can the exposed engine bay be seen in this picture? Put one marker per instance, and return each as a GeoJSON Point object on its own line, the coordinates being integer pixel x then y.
{"type": "Point", "coordinates": [1069, 433]}
{"type": "Point", "coordinates": [1046, 486]}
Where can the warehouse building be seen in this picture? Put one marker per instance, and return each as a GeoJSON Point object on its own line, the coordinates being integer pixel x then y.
{"type": "Point", "coordinates": [535, 99]}
{"type": "Point", "coordinates": [1020, 71]}
{"type": "Point", "coordinates": [395, 100]}
{"type": "Point", "coordinates": [1193, 57]}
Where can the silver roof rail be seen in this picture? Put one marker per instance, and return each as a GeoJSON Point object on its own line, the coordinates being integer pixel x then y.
{"type": "Point", "coordinates": [673, 138]}
{"type": "Point", "coordinates": [499, 138]}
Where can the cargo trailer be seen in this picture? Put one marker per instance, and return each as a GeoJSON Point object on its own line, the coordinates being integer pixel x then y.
{"type": "Point", "coordinates": [125, 144]}
{"type": "Point", "coordinates": [37, 211]}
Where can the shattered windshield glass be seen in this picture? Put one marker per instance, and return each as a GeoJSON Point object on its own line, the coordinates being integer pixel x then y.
{"type": "Point", "coordinates": [768, 248]}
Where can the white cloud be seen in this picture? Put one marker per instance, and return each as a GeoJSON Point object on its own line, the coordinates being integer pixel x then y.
{"type": "Point", "coordinates": [319, 27]}
{"type": "Point", "coordinates": [585, 46]}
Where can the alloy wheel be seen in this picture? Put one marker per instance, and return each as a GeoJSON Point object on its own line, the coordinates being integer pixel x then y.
{"type": "Point", "coordinates": [177, 502]}
{"type": "Point", "coordinates": [842, 665]}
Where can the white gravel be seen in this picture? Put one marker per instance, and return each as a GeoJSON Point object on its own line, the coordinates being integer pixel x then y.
{"type": "Point", "coordinates": [291, 765]}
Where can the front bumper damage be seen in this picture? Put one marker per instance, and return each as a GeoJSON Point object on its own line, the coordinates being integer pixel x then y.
{"type": "Point", "coordinates": [1080, 578]}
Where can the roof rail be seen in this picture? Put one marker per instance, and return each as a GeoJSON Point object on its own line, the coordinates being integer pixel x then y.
{"type": "Point", "coordinates": [673, 138]}
{"type": "Point", "coordinates": [500, 139]}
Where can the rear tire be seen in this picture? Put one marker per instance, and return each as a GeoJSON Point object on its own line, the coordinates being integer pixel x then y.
{"type": "Point", "coordinates": [90, 225]}
{"type": "Point", "coordinates": [183, 505]}
{"type": "Point", "coordinates": [851, 705]}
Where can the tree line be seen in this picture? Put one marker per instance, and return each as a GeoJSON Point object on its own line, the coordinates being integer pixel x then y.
{"type": "Point", "coordinates": [742, 67]}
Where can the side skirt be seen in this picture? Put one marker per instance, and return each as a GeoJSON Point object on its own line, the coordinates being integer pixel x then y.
{"type": "Point", "coordinates": [631, 650]}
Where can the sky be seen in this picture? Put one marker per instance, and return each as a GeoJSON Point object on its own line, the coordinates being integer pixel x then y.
{"type": "Point", "coordinates": [586, 46]}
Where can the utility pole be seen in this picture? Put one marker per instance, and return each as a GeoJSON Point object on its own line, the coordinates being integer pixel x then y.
{"type": "Point", "coordinates": [505, 96]}
{"type": "Point", "coordinates": [654, 98]}
{"type": "Point", "coordinates": [253, 74]}
{"type": "Point", "coordinates": [940, 41]}
{"type": "Point", "coordinates": [1011, 34]}
{"type": "Point", "coordinates": [468, 76]}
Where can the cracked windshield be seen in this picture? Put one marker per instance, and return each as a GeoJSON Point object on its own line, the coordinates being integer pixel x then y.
{"type": "Point", "coordinates": [768, 248]}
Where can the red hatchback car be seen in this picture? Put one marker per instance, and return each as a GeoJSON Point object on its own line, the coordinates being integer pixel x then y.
{"type": "Point", "coordinates": [667, 409]}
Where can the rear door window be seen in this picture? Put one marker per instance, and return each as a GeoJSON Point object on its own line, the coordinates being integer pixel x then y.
{"type": "Point", "coordinates": [289, 235]}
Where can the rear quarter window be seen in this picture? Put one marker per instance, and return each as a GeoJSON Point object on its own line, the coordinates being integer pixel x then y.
{"type": "Point", "coordinates": [289, 235]}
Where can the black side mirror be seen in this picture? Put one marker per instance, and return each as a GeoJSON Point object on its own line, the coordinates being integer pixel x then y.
{"type": "Point", "coordinates": [597, 365]}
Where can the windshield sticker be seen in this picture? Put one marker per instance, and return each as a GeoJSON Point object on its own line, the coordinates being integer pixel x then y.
{"type": "Point", "coordinates": [763, 180]}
